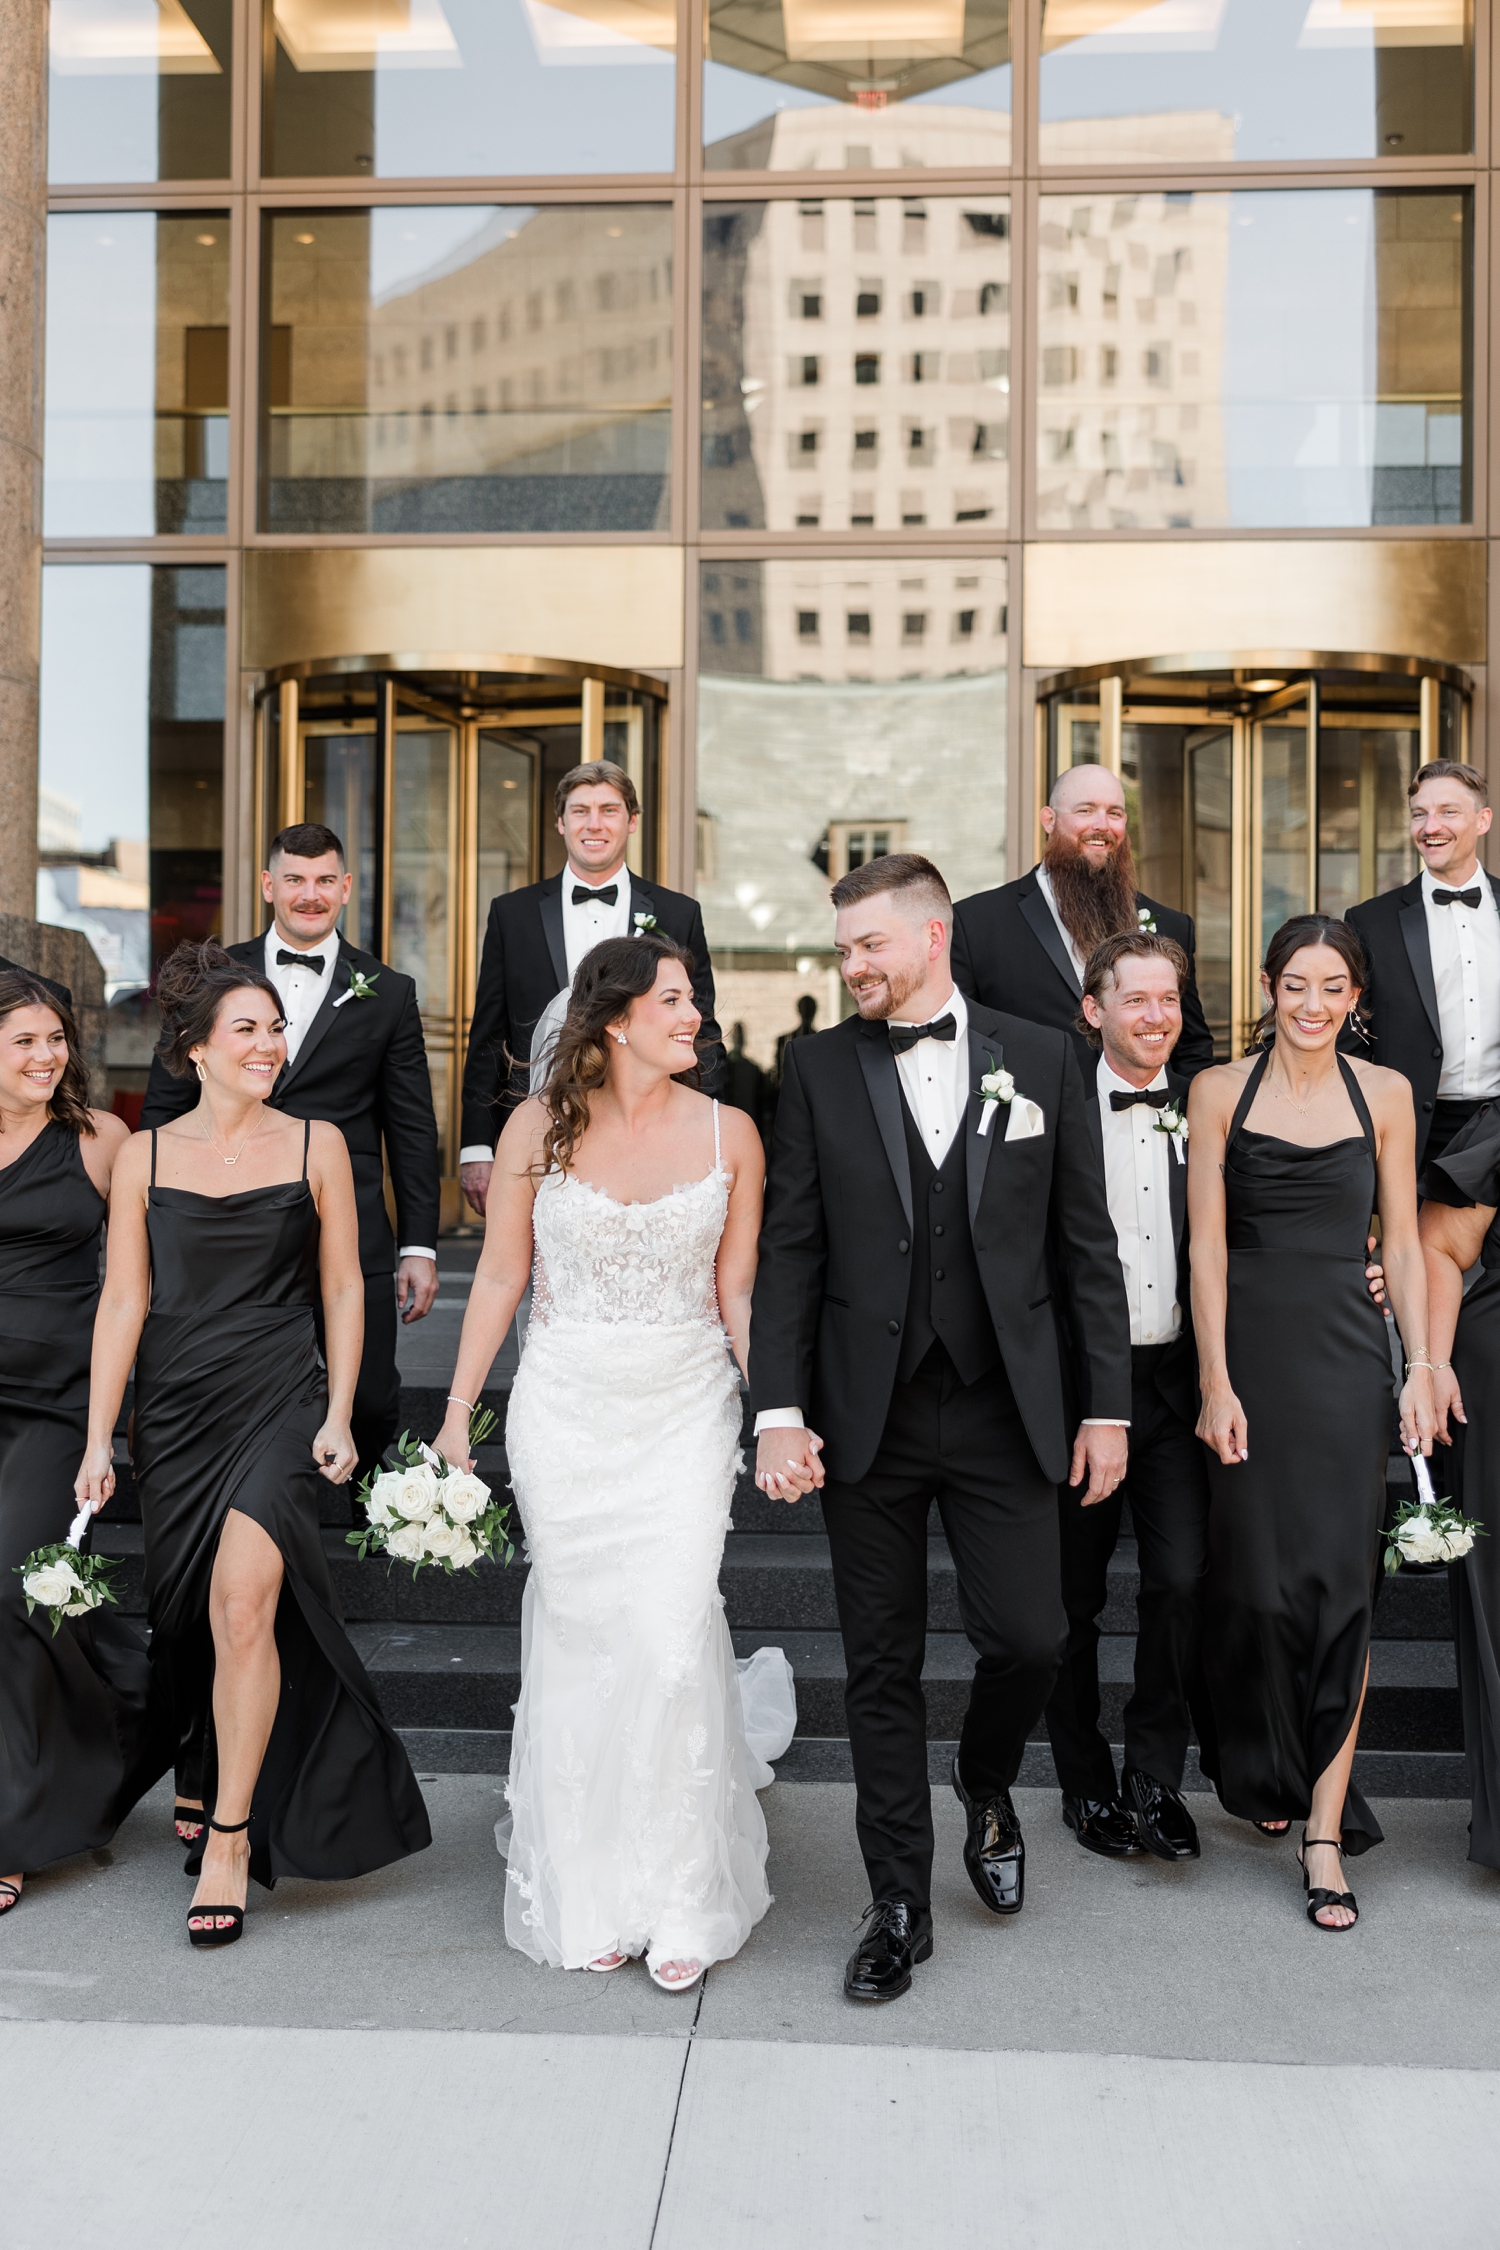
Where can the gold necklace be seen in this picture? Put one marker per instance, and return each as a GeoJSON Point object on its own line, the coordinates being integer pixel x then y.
{"type": "Point", "coordinates": [1301, 1108]}
{"type": "Point", "coordinates": [239, 1152]}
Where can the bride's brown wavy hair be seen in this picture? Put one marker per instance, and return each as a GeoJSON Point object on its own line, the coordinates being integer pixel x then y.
{"type": "Point", "coordinates": [610, 977]}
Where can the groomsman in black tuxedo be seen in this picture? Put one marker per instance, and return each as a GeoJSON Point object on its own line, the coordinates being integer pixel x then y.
{"type": "Point", "coordinates": [1433, 997]}
{"type": "Point", "coordinates": [934, 1188]}
{"type": "Point", "coordinates": [535, 940]}
{"type": "Point", "coordinates": [355, 1059]}
{"type": "Point", "coordinates": [1023, 947]}
{"type": "Point", "coordinates": [1137, 1105]}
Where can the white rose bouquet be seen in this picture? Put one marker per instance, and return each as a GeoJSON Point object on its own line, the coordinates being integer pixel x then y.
{"type": "Point", "coordinates": [426, 1511]}
{"type": "Point", "coordinates": [64, 1582]}
{"type": "Point", "coordinates": [1427, 1530]}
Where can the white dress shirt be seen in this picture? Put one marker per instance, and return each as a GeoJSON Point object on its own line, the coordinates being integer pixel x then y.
{"type": "Point", "coordinates": [1044, 885]}
{"type": "Point", "coordinates": [302, 993]}
{"type": "Point", "coordinates": [1137, 1181]}
{"type": "Point", "coordinates": [1465, 945]}
{"type": "Point", "coordinates": [591, 921]}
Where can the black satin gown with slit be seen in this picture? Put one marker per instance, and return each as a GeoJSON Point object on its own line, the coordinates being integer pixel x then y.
{"type": "Point", "coordinates": [76, 1745]}
{"type": "Point", "coordinates": [1468, 1173]}
{"type": "Point", "coordinates": [230, 1394]}
{"type": "Point", "coordinates": [1294, 1530]}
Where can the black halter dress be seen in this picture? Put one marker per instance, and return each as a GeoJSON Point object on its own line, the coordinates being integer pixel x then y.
{"type": "Point", "coordinates": [230, 1394]}
{"type": "Point", "coordinates": [75, 1745]}
{"type": "Point", "coordinates": [1294, 1530]}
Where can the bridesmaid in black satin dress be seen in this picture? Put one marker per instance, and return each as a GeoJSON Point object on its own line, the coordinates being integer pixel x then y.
{"type": "Point", "coordinates": [1461, 1229]}
{"type": "Point", "coordinates": [75, 1749]}
{"type": "Point", "coordinates": [1288, 1155]}
{"type": "Point", "coordinates": [277, 1725]}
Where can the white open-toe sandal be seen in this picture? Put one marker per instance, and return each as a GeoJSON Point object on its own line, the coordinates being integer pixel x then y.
{"type": "Point", "coordinates": [675, 1984]}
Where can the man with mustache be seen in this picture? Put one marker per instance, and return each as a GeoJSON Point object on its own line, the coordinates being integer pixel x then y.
{"type": "Point", "coordinates": [1022, 948]}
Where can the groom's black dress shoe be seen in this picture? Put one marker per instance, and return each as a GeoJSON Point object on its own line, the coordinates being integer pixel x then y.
{"type": "Point", "coordinates": [1102, 1825]}
{"type": "Point", "coordinates": [994, 1849]}
{"type": "Point", "coordinates": [881, 1964]}
{"type": "Point", "coordinates": [1165, 1825]}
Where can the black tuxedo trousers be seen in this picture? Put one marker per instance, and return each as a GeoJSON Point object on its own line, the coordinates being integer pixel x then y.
{"type": "Point", "coordinates": [1167, 1487]}
{"type": "Point", "coordinates": [965, 1446]}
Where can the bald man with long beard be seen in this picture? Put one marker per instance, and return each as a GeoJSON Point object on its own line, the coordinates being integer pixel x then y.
{"type": "Point", "coordinates": [1022, 948]}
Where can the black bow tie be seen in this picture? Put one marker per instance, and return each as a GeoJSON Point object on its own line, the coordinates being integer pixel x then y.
{"type": "Point", "coordinates": [1154, 1097]}
{"type": "Point", "coordinates": [286, 959]}
{"type": "Point", "coordinates": [904, 1036]}
{"type": "Point", "coordinates": [1457, 898]}
{"type": "Point", "coordinates": [606, 897]}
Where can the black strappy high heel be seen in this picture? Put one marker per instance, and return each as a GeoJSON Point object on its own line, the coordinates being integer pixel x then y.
{"type": "Point", "coordinates": [1320, 1898]}
{"type": "Point", "coordinates": [212, 1936]}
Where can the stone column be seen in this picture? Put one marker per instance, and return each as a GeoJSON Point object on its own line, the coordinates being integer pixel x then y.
{"type": "Point", "coordinates": [23, 246]}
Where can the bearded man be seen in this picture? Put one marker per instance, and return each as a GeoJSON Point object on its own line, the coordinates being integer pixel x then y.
{"type": "Point", "coordinates": [1022, 948]}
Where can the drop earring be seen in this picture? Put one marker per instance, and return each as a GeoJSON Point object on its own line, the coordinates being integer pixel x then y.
{"type": "Point", "coordinates": [202, 1073]}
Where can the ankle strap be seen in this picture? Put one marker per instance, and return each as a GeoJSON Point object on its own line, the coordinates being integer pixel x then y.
{"type": "Point", "coordinates": [229, 1828]}
{"type": "Point", "coordinates": [1311, 1843]}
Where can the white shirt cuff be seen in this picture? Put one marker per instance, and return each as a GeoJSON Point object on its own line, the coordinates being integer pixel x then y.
{"type": "Point", "coordinates": [478, 1154]}
{"type": "Point", "coordinates": [1103, 1422]}
{"type": "Point", "coordinates": [779, 1418]}
{"type": "Point", "coordinates": [417, 1250]}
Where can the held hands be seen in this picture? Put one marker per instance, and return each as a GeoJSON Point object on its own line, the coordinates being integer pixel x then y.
{"type": "Point", "coordinates": [333, 1450]}
{"type": "Point", "coordinates": [1222, 1425]}
{"type": "Point", "coordinates": [416, 1288]}
{"type": "Point", "coordinates": [787, 1464]}
{"type": "Point", "coordinates": [1102, 1449]}
{"type": "Point", "coordinates": [95, 1481]}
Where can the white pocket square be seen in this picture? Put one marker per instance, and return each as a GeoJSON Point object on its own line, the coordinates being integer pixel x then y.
{"type": "Point", "coordinates": [1026, 1120]}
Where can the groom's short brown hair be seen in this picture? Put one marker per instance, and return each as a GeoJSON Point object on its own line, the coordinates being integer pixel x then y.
{"type": "Point", "coordinates": [897, 871]}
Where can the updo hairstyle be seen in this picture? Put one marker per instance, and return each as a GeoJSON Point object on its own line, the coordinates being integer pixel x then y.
{"type": "Point", "coordinates": [191, 988]}
{"type": "Point", "coordinates": [1313, 929]}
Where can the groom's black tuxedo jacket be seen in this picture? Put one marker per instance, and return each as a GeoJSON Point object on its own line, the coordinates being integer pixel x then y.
{"type": "Point", "coordinates": [1177, 1369]}
{"type": "Point", "coordinates": [362, 1066]}
{"type": "Point", "coordinates": [835, 1265]}
{"type": "Point", "coordinates": [1009, 953]}
{"type": "Point", "coordinates": [525, 964]}
{"type": "Point", "coordinates": [1401, 995]}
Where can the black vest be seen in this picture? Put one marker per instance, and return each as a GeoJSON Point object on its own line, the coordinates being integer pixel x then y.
{"type": "Point", "coordinates": [945, 1303]}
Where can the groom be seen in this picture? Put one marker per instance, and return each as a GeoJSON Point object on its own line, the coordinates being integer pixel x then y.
{"type": "Point", "coordinates": [916, 1233]}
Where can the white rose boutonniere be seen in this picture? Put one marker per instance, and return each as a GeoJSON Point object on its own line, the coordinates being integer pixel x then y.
{"type": "Point", "coordinates": [1145, 920]}
{"type": "Point", "coordinates": [361, 987]}
{"type": "Point", "coordinates": [643, 923]}
{"type": "Point", "coordinates": [996, 1086]}
{"type": "Point", "coordinates": [1172, 1121]}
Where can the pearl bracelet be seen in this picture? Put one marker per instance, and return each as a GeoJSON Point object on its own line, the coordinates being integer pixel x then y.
{"type": "Point", "coordinates": [453, 1399]}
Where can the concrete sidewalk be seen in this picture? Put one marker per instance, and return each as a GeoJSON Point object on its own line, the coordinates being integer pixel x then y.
{"type": "Point", "coordinates": [1148, 2055]}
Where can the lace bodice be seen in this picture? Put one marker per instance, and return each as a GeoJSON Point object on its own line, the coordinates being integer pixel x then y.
{"type": "Point", "coordinates": [599, 1260]}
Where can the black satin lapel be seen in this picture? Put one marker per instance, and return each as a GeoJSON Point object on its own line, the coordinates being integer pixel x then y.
{"type": "Point", "coordinates": [879, 1066]}
{"type": "Point", "coordinates": [641, 900]}
{"type": "Point", "coordinates": [1095, 1115]}
{"type": "Point", "coordinates": [337, 981]}
{"type": "Point", "coordinates": [984, 1055]}
{"type": "Point", "coordinates": [1413, 919]}
{"type": "Point", "coordinates": [1044, 928]}
{"type": "Point", "coordinates": [1177, 1173]}
{"type": "Point", "coordinates": [550, 908]}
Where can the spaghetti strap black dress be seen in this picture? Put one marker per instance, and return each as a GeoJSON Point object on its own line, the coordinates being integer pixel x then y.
{"type": "Point", "coordinates": [230, 1394]}
{"type": "Point", "coordinates": [76, 1746]}
{"type": "Point", "coordinates": [1468, 1173]}
{"type": "Point", "coordinates": [1294, 1530]}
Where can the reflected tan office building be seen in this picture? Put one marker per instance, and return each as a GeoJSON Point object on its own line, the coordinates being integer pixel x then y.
{"type": "Point", "coordinates": [848, 413]}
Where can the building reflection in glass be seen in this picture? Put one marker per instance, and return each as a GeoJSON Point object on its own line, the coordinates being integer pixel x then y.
{"type": "Point", "coordinates": [469, 369]}
{"type": "Point", "coordinates": [140, 90]}
{"type": "Point", "coordinates": [845, 710]}
{"type": "Point", "coordinates": [856, 363]}
{"type": "Point", "coordinates": [1293, 357]}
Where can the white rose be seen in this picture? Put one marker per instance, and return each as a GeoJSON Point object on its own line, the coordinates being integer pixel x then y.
{"type": "Point", "coordinates": [380, 1505]}
{"type": "Point", "coordinates": [86, 1601]}
{"type": "Point", "coordinates": [1457, 1543]}
{"type": "Point", "coordinates": [53, 1586]}
{"type": "Point", "coordinates": [440, 1537]}
{"type": "Point", "coordinates": [464, 1554]}
{"type": "Point", "coordinates": [406, 1543]}
{"type": "Point", "coordinates": [416, 1494]}
{"type": "Point", "coordinates": [464, 1497]}
{"type": "Point", "coordinates": [1418, 1542]}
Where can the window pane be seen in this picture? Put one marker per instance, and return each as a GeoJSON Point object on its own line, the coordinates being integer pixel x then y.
{"type": "Point", "coordinates": [1291, 358]}
{"type": "Point", "coordinates": [137, 433]}
{"type": "Point", "coordinates": [140, 90]}
{"type": "Point", "coordinates": [468, 369]}
{"type": "Point", "coordinates": [413, 89]}
{"type": "Point", "coordinates": [826, 85]}
{"type": "Point", "coordinates": [131, 778]}
{"type": "Point", "coordinates": [1134, 81]}
{"type": "Point", "coordinates": [845, 709]}
{"type": "Point", "coordinates": [856, 363]}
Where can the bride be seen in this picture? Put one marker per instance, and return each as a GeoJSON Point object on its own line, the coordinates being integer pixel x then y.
{"type": "Point", "coordinates": [634, 1824]}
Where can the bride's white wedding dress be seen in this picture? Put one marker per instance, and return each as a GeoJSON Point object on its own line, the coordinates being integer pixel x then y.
{"type": "Point", "coordinates": [633, 1822]}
